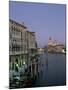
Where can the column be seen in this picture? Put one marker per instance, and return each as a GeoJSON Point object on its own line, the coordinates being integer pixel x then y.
{"type": "Point", "coordinates": [19, 61]}
{"type": "Point", "coordinates": [14, 63]}
{"type": "Point", "coordinates": [31, 71]}
{"type": "Point", "coordinates": [35, 68]}
{"type": "Point", "coordinates": [11, 65]}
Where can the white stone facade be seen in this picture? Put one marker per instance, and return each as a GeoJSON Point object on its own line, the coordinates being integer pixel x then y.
{"type": "Point", "coordinates": [17, 43]}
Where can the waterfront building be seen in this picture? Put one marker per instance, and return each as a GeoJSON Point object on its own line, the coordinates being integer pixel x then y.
{"type": "Point", "coordinates": [17, 44]}
{"type": "Point", "coordinates": [55, 46]}
{"type": "Point", "coordinates": [60, 48]}
{"type": "Point", "coordinates": [31, 43]}
{"type": "Point", "coordinates": [52, 42]}
{"type": "Point", "coordinates": [40, 50]}
{"type": "Point", "coordinates": [22, 48]}
{"type": "Point", "coordinates": [32, 51]}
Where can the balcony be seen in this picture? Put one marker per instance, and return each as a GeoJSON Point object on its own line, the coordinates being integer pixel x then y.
{"type": "Point", "coordinates": [17, 52]}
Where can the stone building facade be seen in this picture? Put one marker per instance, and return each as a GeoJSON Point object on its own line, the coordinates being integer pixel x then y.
{"type": "Point", "coordinates": [32, 51]}
{"type": "Point", "coordinates": [55, 46]}
{"type": "Point", "coordinates": [17, 44]}
{"type": "Point", "coordinates": [22, 47]}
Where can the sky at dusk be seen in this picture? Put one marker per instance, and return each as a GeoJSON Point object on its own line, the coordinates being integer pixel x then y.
{"type": "Point", "coordinates": [47, 20]}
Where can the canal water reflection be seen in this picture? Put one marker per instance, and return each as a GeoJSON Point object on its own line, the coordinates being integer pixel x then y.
{"type": "Point", "coordinates": [53, 70]}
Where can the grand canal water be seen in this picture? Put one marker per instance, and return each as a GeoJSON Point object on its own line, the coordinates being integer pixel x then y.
{"type": "Point", "coordinates": [53, 70]}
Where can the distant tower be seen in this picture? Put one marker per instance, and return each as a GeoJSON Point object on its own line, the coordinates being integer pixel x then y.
{"type": "Point", "coordinates": [50, 42]}
{"type": "Point", "coordinates": [50, 38]}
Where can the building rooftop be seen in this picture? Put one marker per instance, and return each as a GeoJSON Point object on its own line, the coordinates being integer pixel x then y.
{"type": "Point", "coordinates": [17, 23]}
{"type": "Point", "coordinates": [32, 33]}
